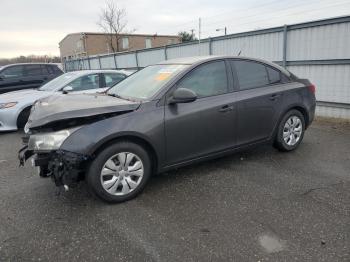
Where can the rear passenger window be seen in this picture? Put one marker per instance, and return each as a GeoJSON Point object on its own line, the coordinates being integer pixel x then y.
{"type": "Point", "coordinates": [206, 80]}
{"type": "Point", "coordinates": [50, 69]}
{"type": "Point", "coordinates": [251, 74]}
{"type": "Point", "coordinates": [274, 75]}
{"type": "Point", "coordinates": [33, 70]}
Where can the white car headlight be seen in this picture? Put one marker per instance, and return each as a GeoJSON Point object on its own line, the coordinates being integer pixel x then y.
{"type": "Point", "coordinates": [49, 141]}
{"type": "Point", "coordinates": [7, 105]}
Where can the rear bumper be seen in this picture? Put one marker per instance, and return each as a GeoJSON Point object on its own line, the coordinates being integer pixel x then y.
{"type": "Point", "coordinates": [311, 114]}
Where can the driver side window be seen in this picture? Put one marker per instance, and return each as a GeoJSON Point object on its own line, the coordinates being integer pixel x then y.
{"type": "Point", "coordinates": [206, 80]}
{"type": "Point", "coordinates": [85, 82]}
{"type": "Point", "coordinates": [12, 72]}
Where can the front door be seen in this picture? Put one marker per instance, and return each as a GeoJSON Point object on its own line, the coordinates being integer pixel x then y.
{"type": "Point", "coordinates": [11, 79]}
{"type": "Point", "coordinates": [206, 125]}
{"type": "Point", "coordinates": [87, 84]}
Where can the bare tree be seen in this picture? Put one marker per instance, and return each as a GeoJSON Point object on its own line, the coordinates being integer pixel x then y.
{"type": "Point", "coordinates": [113, 22]}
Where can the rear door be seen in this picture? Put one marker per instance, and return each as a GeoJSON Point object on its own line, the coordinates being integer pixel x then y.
{"type": "Point", "coordinates": [11, 79]}
{"type": "Point", "coordinates": [206, 125]}
{"type": "Point", "coordinates": [260, 99]}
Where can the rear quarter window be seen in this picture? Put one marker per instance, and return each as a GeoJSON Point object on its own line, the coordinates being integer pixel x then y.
{"type": "Point", "coordinates": [54, 69]}
{"type": "Point", "coordinates": [274, 75]}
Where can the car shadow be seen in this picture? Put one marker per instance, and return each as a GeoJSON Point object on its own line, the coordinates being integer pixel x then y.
{"type": "Point", "coordinates": [160, 183]}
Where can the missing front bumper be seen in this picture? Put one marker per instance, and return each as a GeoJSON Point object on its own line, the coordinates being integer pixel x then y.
{"type": "Point", "coordinates": [65, 168]}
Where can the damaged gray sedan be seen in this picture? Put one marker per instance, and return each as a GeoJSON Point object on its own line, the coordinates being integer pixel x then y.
{"type": "Point", "coordinates": [165, 116]}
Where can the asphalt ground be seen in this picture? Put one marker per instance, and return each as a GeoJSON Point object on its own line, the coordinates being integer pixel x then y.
{"type": "Point", "coordinates": [258, 205]}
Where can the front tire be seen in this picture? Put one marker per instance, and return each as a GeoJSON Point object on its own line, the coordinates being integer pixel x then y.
{"type": "Point", "coordinates": [290, 131]}
{"type": "Point", "coordinates": [119, 172]}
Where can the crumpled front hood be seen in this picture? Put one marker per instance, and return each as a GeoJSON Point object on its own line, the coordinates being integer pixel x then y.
{"type": "Point", "coordinates": [63, 107]}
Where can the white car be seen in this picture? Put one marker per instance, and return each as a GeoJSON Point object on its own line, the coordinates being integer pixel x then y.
{"type": "Point", "coordinates": [15, 106]}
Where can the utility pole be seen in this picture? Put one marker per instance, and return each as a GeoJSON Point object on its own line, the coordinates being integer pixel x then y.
{"type": "Point", "coordinates": [225, 30]}
{"type": "Point", "coordinates": [199, 36]}
{"type": "Point", "coordinates": [192, 34]}
{"type": "Point", "coordinates": [199, 30]}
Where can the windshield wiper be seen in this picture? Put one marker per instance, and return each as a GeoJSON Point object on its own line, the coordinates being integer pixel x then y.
{"type": "Point", "coordinates": [120, 97]}
{"type": "Point", "coordinates": [115, 95]}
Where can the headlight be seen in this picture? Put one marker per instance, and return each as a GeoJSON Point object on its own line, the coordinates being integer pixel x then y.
{"type": "Point", "coordinates": [7, 105]}
{"type": "Point", "coordinates": [48, 141]}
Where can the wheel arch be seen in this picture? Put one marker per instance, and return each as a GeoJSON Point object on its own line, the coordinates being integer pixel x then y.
{"type": "Point", "coordinates": [303, 111]}
{"type": "Point", "coordinates": [131, 138]}
{"type": "Point", "coordinates": [298, 107]}
{"type": "Point", "coordinates": [21, 111]}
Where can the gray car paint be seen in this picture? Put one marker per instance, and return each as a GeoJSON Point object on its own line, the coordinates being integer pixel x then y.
{"type": "Point", "coordinates": [175, 133]}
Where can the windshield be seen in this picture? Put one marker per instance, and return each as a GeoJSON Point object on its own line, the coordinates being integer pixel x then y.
{"type": "Point", "coordinates": [58, 82]}
{"type": "Point", "coordinates": [147, 82]}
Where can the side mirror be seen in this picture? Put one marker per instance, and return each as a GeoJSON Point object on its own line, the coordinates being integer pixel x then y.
{"type": "Point", "coordinates": [67, 89]}
{"type": "Point", "coordinates": [182, 95]}
{"type": "Point", "coordinates": [1, 78]}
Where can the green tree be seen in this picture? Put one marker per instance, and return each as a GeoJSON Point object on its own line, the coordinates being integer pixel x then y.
{"type": "Point", "coordinates": [187, 36]}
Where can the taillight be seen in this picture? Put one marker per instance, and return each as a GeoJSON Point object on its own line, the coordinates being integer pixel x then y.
{"type": "Point", "coordinates": [312, 88]}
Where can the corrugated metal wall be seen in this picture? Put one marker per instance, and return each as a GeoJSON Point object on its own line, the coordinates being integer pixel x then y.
{"type": "Point", "coordinates": [319, 43]}
{"type": "Point", "coordinates": [265, 46]}
{"type": "Point", "coordinates": [318, 50]}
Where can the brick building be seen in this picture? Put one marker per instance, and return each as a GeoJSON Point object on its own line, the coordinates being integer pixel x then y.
{"type": "Point", "coordinates": [86, 44]}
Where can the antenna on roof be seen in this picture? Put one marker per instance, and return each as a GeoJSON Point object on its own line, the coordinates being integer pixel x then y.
{"type": "Point", "coordinates": [240, 50]}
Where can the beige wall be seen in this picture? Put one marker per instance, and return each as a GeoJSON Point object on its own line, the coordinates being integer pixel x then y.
{"type": "Point", "coordinates": [72, 45]}
{"type": "Point", "coordinates": [77, 45]}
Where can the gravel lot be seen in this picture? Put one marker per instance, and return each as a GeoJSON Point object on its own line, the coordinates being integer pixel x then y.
{"type": "Point", "coordinates": [259, 205]}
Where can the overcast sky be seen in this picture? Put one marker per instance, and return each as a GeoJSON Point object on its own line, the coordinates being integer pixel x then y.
{"type": "Point", "coordinates": [36, 26]}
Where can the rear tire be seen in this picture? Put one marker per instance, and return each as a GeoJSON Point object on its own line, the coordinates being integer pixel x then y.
{"type": "Point", "coordinates": [119, 172]}
{"type": "Point", "coordinates": [23, 118]}
{"type": "Point", "coordinates": [290, 131]}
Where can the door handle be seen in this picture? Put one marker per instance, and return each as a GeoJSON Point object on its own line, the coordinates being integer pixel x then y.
{"type": "Point", "coordinates": [226, 108]}
{"type": "Point", "coordinates": [274, 97]}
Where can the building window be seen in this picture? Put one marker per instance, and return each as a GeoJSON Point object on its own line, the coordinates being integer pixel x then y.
{"type": "Point", "coordinates": [171, 41]}
{"type": "Point", "coordinates": [125, 43]}
{"type": "Point", "coordinates": [148, 42]}
{"type": "Point", "coordinates": [80, 45]}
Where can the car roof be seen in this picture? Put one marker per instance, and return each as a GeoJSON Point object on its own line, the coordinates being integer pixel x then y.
{"type": "Point", "coordinates": [85, 72]}
{"type": "Point", "coordinates": [200, 59]}
{"type": "Point", "coordinates": [54, 64]}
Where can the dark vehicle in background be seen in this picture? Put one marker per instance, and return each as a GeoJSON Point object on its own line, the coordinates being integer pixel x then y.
{"type": "Point", "coordinates": [24, 76]}
{"type": "Point", "coordinates": [165, 116]}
